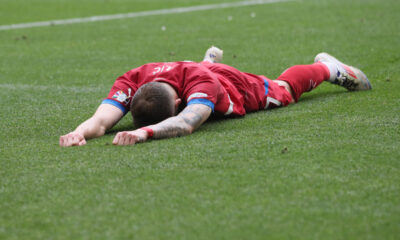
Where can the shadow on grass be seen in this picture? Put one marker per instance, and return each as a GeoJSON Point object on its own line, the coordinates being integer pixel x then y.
{"type": "Point", "coordinates": [121, 127]}
{"type": "Point", "coordinates": [318, 95]}
{"type": "Point", "coordinates": [127, 126]}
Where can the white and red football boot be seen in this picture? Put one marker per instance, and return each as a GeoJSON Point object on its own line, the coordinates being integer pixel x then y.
{"type": "Point", "coordinates": [352, 78]}
{"type": "Point", "coordinates": [213, 55]}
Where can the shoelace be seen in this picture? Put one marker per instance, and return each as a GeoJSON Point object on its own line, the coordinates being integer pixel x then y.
{"type": "Point", "coordinates": [343, 80]}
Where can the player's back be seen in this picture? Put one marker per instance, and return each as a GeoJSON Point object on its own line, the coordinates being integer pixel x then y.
{"type": "Point", "coordinates": [250, 86]}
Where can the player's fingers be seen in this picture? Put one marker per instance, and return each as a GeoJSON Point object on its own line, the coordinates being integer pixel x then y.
{"type": "Point", "coordinates": [75, 140]}
{"type": "Point", "coordinates": [118, 138]}
{"type": "Point", "coordinates": [129, 139]}
{"type": "Point", "coordinates": [115, 140]}
{"type": "Point", "coordinates": [126, 139]}
{"type": "Point", "coordinates": [82, 142]}
{"type": "Point", "coordinates": [61, 141]}
{"type": "Point", "coordinates": [122, 138]}
{"type": "Point", "coordinates": [132, 139]}
{"type": "Point", "coordinates": [67, 140]}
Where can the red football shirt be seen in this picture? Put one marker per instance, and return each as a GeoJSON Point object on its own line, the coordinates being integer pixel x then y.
{"type": "Point", "coordinates": [224, 89]}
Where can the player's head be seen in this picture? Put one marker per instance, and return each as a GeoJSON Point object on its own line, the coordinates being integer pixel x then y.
{"type": "Point", "coordinates": [152, 103]}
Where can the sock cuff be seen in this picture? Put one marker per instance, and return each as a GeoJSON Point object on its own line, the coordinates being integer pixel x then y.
{"type": "Point", "coordinates": [332, 68]}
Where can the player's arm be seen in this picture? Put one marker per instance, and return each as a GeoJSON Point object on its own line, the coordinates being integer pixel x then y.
{"type": "Point", "coordinates": [105, 117]}
{"type": "Point", "coordinates": [184, 123]}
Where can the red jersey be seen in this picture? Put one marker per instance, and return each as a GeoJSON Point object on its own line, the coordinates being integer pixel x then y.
{"type": "Point", "coordinates": [224, 89]}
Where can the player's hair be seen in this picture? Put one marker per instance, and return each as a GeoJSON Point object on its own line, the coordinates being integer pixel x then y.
{"type": "Point", "coordinates": [151, 104]}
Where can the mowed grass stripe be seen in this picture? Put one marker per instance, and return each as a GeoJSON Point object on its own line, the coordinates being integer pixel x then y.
{"type": "Point", "coordinates": [73, 89]}
{"type": "Point", "coordinates": [139, 14]}
{"type": "Point", "coordinates": [325, 168]}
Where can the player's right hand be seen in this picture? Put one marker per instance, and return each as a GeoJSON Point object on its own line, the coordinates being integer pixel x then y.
{"type": "Point", "coordinates": [72, 139]}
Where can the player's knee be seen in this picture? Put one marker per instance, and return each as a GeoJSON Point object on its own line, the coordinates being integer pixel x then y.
{"type": "Point", "coordinates": [286, 86]}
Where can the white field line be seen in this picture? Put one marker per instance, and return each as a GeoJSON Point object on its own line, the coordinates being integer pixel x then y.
{"type": "Point", "coordinates": [140, 14]}
{"type": "Point", "coordinates": [58, 88]}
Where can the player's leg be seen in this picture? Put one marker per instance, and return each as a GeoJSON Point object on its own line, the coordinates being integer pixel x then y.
{"type": "Point", "coordinates": [304, 78]}
{"type": "Point", "coordinates": [213, 55]}
{"type": "Point", "coordinates": [352, 78]}
{"type": "Point", "coordinates": [287, 87]}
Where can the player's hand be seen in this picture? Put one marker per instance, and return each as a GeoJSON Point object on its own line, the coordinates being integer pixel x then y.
{"type": "Point", "coordinates": [130, 137]}
{"type": "Point", "coordinates": [72, 139]}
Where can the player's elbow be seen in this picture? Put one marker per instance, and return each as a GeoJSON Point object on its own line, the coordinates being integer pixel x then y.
{"type": "Point", "coordinates": [96, 128]}
{"type": "Point", "coordinates": [102, 130]}
{"type": "Point", "coordinates": [189, 129]}
{"type": "Point", "coordinates": [184, 128]}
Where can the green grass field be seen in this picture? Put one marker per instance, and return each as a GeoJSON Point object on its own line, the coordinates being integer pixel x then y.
{"type": "Point", "coordinates": [325, 168]}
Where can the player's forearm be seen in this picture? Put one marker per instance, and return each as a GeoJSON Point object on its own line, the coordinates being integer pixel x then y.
{"type": "Point", "coordinates": [91, 128]}
{"type": "Point", "coordinates": [171, 127]}
{"type": "Point", "coordinates": [185, 123]}
{"type": "Point", "coordinates": [105, 117]}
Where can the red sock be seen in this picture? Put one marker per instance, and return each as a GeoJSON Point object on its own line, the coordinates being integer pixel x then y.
{"type": "Point", "coordinates": [304, 78]}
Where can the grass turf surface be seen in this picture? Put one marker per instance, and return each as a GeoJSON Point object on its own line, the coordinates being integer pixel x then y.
{"type": "Point", "coordinates": [325, 168]}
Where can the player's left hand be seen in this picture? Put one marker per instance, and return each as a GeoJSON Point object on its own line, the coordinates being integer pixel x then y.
{"type": "Point", "coordinates": [72, 139]}
{"type": "Point", "coordinates": [130, 137]}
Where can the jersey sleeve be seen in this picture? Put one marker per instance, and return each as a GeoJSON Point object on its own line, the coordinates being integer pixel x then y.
{"type": "Point", "coordinates": [121, 93]}
{"type": "Point", "coordinates": [202, 88]}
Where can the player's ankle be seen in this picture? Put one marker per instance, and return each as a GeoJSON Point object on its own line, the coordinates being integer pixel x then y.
{"type": "Point", "coordinates": [333, 69]}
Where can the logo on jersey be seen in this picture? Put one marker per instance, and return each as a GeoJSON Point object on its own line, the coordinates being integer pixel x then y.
{"type": "Point", "coordinates": [312, 85]}
{"type": "Point", "coordinates": [122, 97]}
{"type": "Point", "coordinates": [197, 95]}
{"type": "Point", "coordinates": [163, 68]}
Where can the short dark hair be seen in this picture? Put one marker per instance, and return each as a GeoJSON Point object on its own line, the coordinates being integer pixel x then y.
{"type": "Point", "coordinates": [152, 103]}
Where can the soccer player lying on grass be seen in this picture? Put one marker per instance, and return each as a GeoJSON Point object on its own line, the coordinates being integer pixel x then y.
{"type": "Point", "coordinates": [155, 92]}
